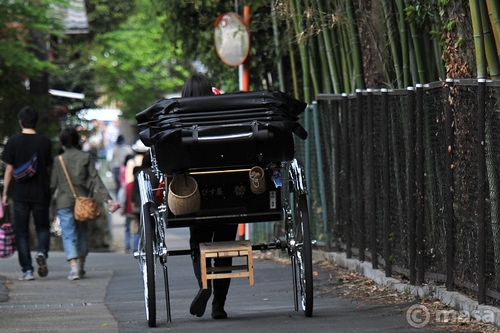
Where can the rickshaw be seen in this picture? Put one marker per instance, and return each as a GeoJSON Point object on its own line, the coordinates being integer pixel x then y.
{"type": "Point", "coordinates": [224, 143]}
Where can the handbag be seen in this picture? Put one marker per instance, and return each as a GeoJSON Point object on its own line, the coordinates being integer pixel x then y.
{"type": "Point", "coordinates": [85, 208]}
{"type": "Point", "coordinates": [7, 237]}
{"type": "Point", "coordinates": [27, 170]}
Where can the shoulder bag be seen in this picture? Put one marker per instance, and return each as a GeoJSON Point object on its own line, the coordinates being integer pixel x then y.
{"type": "Point", "coordinates": [27, 170]}
{"type": "Point", "coordinates": [85, 208]}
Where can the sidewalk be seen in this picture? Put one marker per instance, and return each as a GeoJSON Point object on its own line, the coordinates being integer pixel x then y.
{"type": "Point", "coordinates": [67, 300]}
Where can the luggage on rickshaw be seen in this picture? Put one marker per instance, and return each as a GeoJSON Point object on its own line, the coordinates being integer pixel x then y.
{"type": "Point", "coordinates": [232, 129]}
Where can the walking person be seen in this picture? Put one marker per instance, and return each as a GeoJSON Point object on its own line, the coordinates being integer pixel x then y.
{"type": "Point", "coordinates": [85, 178]}
{"type": "Point", "coordinates": [30, 196]}
{"type": "Point", "coordinates": [140, 150]}
{"type": "Point", "coordinates": [199, 85]}
{"type": "Point", "coordinates": [126, 206]}
{"type": "Point", "coordinates": [119, 154]}
{"type": "Point", "coordinates": [134, 198]}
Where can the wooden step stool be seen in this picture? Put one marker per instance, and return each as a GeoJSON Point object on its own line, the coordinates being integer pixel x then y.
{"type": "Point", "coordinates": [226, 249]}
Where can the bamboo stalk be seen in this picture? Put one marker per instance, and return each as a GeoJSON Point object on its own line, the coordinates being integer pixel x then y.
{"type": "Point", "coordinates": [346, 61]}
{"type": "Point", "coordinates": [478, 38]}
{"type": "Point", "coordinates": [393, 45]}
{"type": "Point", "coordinates": [489, 43]}
{"type": "Point", "coordinates": [494, 9]}
{"type": "Point", "coordinates": [293, 65]}
{"type": "Point", "coordinates": [428, 51]}
{"type": "Point", "coordinates": [327, 42]}
{"type": "Point", "coordinates": [299, 31]}
{"type": "Point", "coordinates": [357, 58]}
{"type": "Point", "coordinates": [314, 53]}
{"type": "Point", "coordinates": [279, 62]}
{"type": "Point", "coordinates": [438, 56]}
{"type": "Point", "coordinates": [326, 82]}
{"type": "Point", "coordinates": [336, 45]}
{"type": "Point", "coordinates": [344, 53]}
{"type": "Point", "coordinates": [418, 52]}
{"type": "Point", "coordinates": [313, 56]}
{"type": "Point", "coordinates": [403, 37]}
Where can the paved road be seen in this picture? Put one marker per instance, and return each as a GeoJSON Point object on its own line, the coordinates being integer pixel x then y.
{"type": "Point", "coordinates": [265, 307]}
{"type": "Point", "coordinates": [110, 299]}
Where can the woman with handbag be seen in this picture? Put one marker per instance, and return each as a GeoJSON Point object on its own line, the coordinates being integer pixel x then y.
{"type": "Point", "coordinates": [74, 175]}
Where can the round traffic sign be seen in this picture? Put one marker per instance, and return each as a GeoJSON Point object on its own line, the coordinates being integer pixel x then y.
{"type": "Point", "coordinates": [232, 39]}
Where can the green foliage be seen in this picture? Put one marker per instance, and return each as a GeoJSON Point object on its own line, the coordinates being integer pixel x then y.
{"type": "Point", "coordinates": [20, 58]}
{"type": "Point", "coordinates": [18, 20]}
{"type": "Point", "coordinates": [20, 61]}
{"type": "Point", "coordinates": [75, 55]}
{"type": "Point", "coordinates": [392, 237]}
{"type": "Point", "coordinates": [432, 16]}
{"type": "Point", "coordinates": [106, 15]}
{"type": "Point", "coordinates": [134, 63]}
{"type": "Point", "coordinates": [450, 24]}
{"type": "Point", "coordinates": [76, 75]}
{"type": "Point", "coordinates": [190, 25]}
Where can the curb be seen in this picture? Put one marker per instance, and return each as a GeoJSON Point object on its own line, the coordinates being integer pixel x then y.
{"type": "Point", "coordinates": [453, 299]}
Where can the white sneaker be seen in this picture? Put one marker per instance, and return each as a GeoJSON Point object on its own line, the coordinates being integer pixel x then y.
{"type": "Point", "coordinates": [27, 276]}
{"type": "Point", "coordinates": [73, 275]}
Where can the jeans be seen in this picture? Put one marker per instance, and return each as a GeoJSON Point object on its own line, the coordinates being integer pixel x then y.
{"type": "Point", "coordinates": [22, 212]}
{"type": "Point", "coordinates": [74, 234]}
{"type": "Point", "coordinates": [135, 245]}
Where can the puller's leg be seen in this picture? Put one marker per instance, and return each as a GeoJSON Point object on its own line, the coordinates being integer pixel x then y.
{"type": "Point", "coordinates": [199, 234]}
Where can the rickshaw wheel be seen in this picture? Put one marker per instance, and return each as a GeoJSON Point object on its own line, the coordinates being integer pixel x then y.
{"type": "Point", "coordinates": [303, 255]}
{"type": "Point", "coordinates": [148, 266]}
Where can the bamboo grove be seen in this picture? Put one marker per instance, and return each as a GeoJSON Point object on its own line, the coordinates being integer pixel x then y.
{"type": "Point", "coordinates": [344, 45]}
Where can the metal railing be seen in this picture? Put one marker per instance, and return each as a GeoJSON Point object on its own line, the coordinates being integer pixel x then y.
{"type": "Point", "coordinates": [410, 180]}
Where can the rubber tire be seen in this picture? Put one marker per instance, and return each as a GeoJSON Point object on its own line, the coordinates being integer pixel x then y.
{"type": "Point", "coordinates": [304, 265]}
{"type": "Point", "coordinates": [150, 269]}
